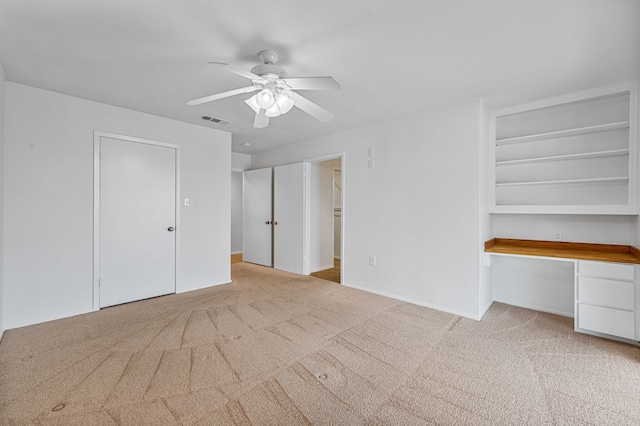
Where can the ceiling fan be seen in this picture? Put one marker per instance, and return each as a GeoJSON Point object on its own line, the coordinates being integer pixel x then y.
{"type": "Point", "coordinates": [276, 91]}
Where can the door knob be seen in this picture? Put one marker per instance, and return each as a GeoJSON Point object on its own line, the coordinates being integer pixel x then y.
{"type": "Point", "coordinates": [170, 229]}
{"type": "Point", "coordinates": [275, 223]}
{"type": "Point", "coordinates": [268, 222]}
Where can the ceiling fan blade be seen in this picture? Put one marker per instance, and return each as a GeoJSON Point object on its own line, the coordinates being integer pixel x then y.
{"type": "Point", "coordinates": [233, 92]}
{"type": "Point", "coordinates": [313, 83]}
{"type": "Point", "coordinates": [261, 120]}
{"type": "Point", "coordinates": [312, 109]}
{"type": "Point", "coordinates": [239, 71]}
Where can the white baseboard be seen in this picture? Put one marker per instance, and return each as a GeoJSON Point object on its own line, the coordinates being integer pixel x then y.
{"type": "Point", "coordinates": [336, 257]}
{"type": "Point", "coordinates": [202, 287]}
{"type": "Point", "coordinates": [236, 252]}
{"type": "Point", "coordinates": [415, 302]}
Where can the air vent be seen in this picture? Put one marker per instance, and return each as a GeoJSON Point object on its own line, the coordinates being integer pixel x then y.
{"type": "Point", "coordinates": [215, 120]}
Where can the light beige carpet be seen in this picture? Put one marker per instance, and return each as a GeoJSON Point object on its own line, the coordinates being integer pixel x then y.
{"type": "Point", "coordinates": [274, 348]}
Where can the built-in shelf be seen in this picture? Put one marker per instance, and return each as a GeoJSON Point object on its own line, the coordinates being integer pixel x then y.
{"type": "Point", "coordinates": [583, 155]}
{"type": "Point", "coordinates": [565, 133]}
{"type": "Point", "coordinates": [588, 168]}
{"type": "Point", "coordinates": [556, 182]}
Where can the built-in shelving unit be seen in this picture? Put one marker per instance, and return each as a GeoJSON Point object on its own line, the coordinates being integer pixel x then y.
{"type": "Point", "coordinates": [570, 155]}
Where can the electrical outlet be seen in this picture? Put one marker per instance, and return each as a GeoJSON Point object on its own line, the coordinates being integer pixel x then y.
{"type": "Point", "coordinates": [557, 236]}
{"type": "Point", "coordinates": [372, 260]}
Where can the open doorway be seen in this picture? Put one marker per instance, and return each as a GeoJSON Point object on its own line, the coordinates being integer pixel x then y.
{"type": "Point", "coordinates": [325, 219]}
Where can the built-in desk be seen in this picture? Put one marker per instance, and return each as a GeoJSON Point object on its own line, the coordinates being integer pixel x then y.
{"type": "Point", "coordinates": [606, 285]}
{"type": "Point", "coordinates": [565, 250]}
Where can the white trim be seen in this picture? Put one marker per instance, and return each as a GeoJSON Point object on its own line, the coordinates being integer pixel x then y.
{"type": "Point", "coordinates": [326, 157]}
{"type": "Point", "coordinates": [97, 135]}
{"type": "Point", "coordinates": [415, 302]}
{"type": "Point", "coordinates": [307, 219]}
{"type": "Point", "coordinates": [634, 202]}
{"type": "Point", "coordinates": [236, 252]}
{"type": "Point", "coordinates": [237, 169]}
{"type": "Point", "coordinates": [343, 218]}
{"type": "Point", "coordinates": [529, 256]}
{"type": "Point", "coordinates": [207, 285]}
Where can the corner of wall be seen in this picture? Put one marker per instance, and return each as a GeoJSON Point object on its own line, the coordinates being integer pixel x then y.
{"type": "Point", "coordinates": [485, 293]}
{"type": "Point", "coordinates": [240, 162]}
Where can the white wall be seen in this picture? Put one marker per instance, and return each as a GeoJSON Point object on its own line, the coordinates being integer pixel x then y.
{"type": "Point", "coordinates": [575, 228]}
{"type": "Point", "coordinates": [539, 284]}
{"type": "Point", "coordinates": [321, 214]}
{"type": "Point", "coordinates": [239, 163]}
{"type": "Point", "coordinates": [236, 212]}
{"type": "Point", "coordinates": [49, 200]}
{"type": "Point", "coordinates": [416, 211]}
{"type": "Point", "coordinates": [2, 127]}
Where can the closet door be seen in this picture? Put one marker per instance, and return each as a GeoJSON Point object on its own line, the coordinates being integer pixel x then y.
{"type": "Point", "coordinates": [137, 221]}
{"type": "Point", "coordinates": [257, 216]}
{"type": "Point", "coordinates": [289, 218]}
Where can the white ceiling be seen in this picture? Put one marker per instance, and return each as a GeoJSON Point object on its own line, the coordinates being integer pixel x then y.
{"type": "Point", "coordinates": [392, 57]}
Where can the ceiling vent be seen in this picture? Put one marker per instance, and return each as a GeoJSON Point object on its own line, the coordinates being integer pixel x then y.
{"type": "Point", "coordinates": [215, 120]}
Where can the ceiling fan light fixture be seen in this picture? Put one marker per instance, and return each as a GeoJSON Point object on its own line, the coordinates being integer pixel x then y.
{"type": "Point", "coordinates": [253, 104]}
{"type": "Point", "coordinates": [284, 102]}
{"type": "Point", "coordinates": [265, 98]}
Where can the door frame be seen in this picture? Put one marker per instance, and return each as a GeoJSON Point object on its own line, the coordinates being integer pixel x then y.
{"type": "Point", "coordinates": [333, 223]}
{"type": "Point", "coordinates": [307, 238]}
{"type": "Point", "coordinates": [97, 137]}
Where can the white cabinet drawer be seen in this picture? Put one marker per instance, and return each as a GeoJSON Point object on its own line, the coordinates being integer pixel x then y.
{"type": "Point", "coordinates": [620, 271]}
{"type": "Point", "coordinates": [605, 320]}
{"type": "Point", "coordinates": [600, 291]}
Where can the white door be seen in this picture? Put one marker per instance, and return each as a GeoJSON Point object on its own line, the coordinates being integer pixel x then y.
{"type": "Point", "coordinates": [289, 218]}
{"type": "Point", "coordinates": [257, 215]}
{"type": "Point", "coordinates": [137, 221]}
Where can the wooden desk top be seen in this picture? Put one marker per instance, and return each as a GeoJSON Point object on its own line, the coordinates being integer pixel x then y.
{"type": "Point", "coordinates": [567, 250]}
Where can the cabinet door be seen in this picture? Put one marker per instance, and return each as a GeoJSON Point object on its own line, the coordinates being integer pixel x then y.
{"type": "Point", "coordinates": [617, 271]}
{"type": "Point", "coordinates": [603, 292]}
{"type": "Point", "coordinates": [606, 320]}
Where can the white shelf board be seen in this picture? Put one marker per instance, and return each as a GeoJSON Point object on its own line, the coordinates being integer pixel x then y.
{"type": "Point", "coordinates": [595, 154]}
{"type": "Point", "coordinates": [554, 182]}
{"type": "Point", "coordinates": [564, 133]}
{"type": "Point", "coordinates": [591, 209]}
